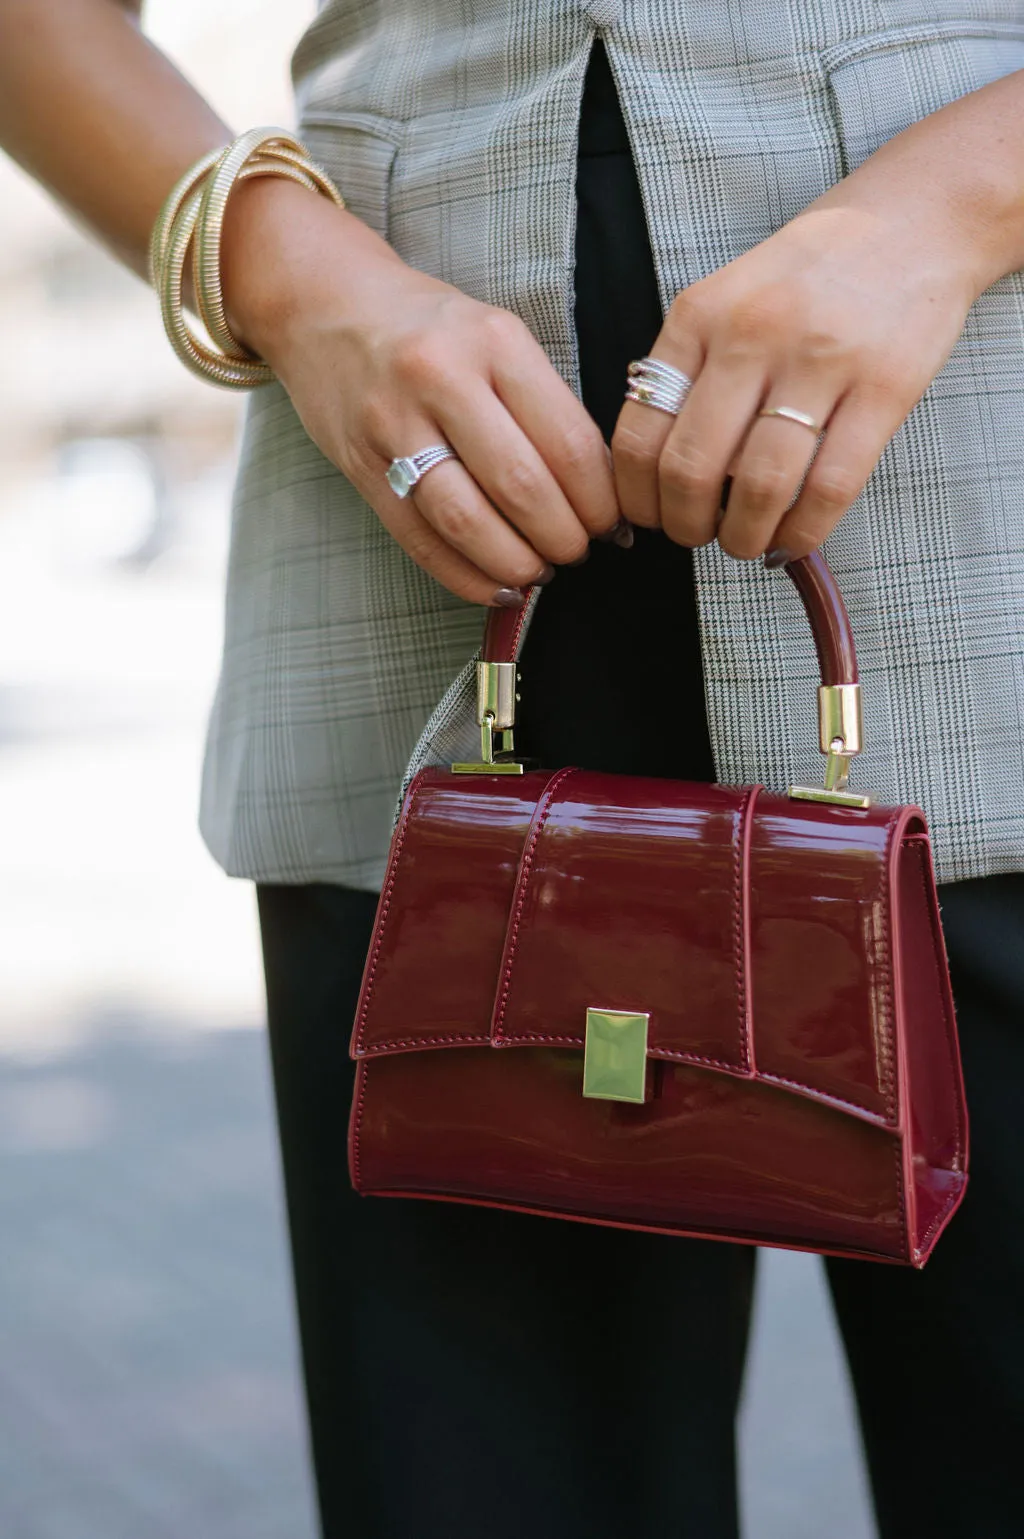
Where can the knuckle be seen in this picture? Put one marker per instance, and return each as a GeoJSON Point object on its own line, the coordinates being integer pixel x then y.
{"type": "Point", "coordinates": [751, 324]}
{"type": "Point", "coordinates": [739, 352]}
{"type": "Point", "coordinates": [502, 327]}
{"type": "Point", "coordinates": [687, 471]}
{"type": "Point", "coordinates": [582, 447]}
{"type": "Point", "coordinates": [764, 483]}
{"type": "Point", "coordinates": [631, 447]}
{"type": "Point", "coordinates": [418, 361]}
{"type": "Point", "coordinates": [820, 349]}
{"type": "Point", "coordinates": [889, 388]}
{"type": "Point", "coordinates": [451, 517]}
{"type": "Point", "coordinates": [519, 485]}
{"type": "Point", "coordinates": [686, 311]}
{"type": "Point", "coordinates": [832, 489]}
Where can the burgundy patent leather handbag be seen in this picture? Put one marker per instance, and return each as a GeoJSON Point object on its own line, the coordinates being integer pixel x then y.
{"type": "Point", "coordinates": [699, 1009]}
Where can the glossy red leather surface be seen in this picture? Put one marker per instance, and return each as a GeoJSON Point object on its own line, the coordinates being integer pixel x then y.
{"type": "Point", "coordinates": [833, 633]}
{"type": "Point", "coordinates": [806, 1083]}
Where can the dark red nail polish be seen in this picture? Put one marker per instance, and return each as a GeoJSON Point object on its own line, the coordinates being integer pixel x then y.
{"type": "Point", "coordinates": [545, 575]}
{"type": "Point", "coordinates": [777, 558]}
{"type": "Point", "coordinates": [620, 534]}
{"type": "Point", "coordinates": [510, 598]}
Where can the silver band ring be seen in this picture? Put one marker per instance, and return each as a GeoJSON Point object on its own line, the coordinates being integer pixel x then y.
{"type": "Point", "coordinates": [653, 382]}
{"type": "Point", "coordinates": [405, 472]}
{"type": "Point", "coordinates": [792, 415]}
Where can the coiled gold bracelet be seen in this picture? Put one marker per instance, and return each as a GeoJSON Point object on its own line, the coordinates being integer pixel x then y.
{"type": "Point", "coordinates": [191, 221]}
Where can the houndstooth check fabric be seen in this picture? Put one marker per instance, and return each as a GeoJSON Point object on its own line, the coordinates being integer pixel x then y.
{"type": "Point", "coordinates": [450, 125]}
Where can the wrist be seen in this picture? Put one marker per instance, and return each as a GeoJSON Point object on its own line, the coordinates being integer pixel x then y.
{"type": "Point", "coordinates": [953, 181]}
{"type": "Point", "coordinates": [917, 228]}
{"type": "Point", "coordinates": [286, 253]}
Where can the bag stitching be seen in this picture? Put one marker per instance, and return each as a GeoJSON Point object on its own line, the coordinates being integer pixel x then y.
{"type": "Point", "coordinates": [947, 1020]}
{"type": "Point", "coordinates": [901, 1194]}
{"type": "Point", "coordinates": [382, 922]}
{"type": "Point", "coordinates": [522, 886]}
{"type": "Point", "coordinates": [378, 1048]}
{"type": "Point", "coordinates": [743, 818]}
{"type": "Point", "coordinates": [887, 1064]}
{"type": "Point", "coordinates": [357, 1125]}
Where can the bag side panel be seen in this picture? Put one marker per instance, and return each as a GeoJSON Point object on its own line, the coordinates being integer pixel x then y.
{"type": "Point", "coordinates": [821, 964]}
{"type": "Point", "coordinates": [935, 1113]}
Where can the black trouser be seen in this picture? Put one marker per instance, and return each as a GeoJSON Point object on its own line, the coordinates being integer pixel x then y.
{"type": "Point", "coordinates": [474, 1374]}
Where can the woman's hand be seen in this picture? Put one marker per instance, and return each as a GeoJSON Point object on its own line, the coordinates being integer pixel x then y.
{"type": "Point", "coordinates": [381, 360]}
{"type": "Point", "coordinates": [846, 315]}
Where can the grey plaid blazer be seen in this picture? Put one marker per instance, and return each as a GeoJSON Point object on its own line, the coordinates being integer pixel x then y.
{"type": "Point", "coordinates": [450, 125]}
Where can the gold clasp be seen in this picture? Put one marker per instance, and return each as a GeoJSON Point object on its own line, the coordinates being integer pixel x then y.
{"type": "Point", "coordinates": [841, 738]}
{"type": "Point", "coordinates": [615, 1056]}
{"type": "Point", "coordinates": [496, 714]}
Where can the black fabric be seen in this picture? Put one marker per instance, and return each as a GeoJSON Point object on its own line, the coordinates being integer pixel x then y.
{"type": "Point", "coordinates": [473, 1373]}
{"type": "Point", "coordinates": [613, 644]}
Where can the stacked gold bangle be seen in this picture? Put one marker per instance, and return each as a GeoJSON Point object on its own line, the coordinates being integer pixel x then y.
{"type": "Point", "coordinates": [191, 221]}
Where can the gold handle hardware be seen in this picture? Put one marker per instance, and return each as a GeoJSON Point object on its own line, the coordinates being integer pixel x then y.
{"type": "Point", "coordinates": [841, 738]}
{"type": "Point", "coordinates": [496, 714]}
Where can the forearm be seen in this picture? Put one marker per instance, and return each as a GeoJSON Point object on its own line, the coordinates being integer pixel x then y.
{"type": "Point", "coordinates": [98, 115]}
{"type": "Point", "coordinates": [956, 178]}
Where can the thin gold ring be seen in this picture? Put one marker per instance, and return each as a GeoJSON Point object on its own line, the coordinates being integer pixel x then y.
{"type": "Point", "coordinates": [792, 415]}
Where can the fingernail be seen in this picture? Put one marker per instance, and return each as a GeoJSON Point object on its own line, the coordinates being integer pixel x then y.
{"type": "Point", "coordinates": [620, 534]}
{"type": "Point", "coordinates": [778, 557]}
{"type": "Point", "coordinates": [546, 573]}
{"type": "Point", "coordinates": [510, 598]}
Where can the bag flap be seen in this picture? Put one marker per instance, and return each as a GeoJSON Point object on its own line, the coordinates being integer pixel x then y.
{"type": "Point", "coordinates": [755, 932]}
{"type": "Point", "coordinates": [636, 908]}
{"type": "Point", "coordinates": [443, 912]}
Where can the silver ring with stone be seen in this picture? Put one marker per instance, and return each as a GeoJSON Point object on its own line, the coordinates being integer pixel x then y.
{"type": "Point", "coordinates": [408, 470]}
{"type": "Point", "coordinates": [653, 382]}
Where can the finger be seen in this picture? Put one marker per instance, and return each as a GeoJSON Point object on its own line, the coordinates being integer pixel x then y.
{"type": "Point", "coordinates": [857, 434]}
{"type": "Point", "coordinates": [700, 447]}
{"type": "Point", "coordinates": [508, 470]}
{"type": "Point", "coordinates": [769, 469]}
{"type": "Point", "coordinates": [640, 436]}
{"type": "Point", "coordinates": [450, 500]}
{"type": "Point", "coordinates": [562, 431]}
{"type": "Point", "coordinates": [430, 550]}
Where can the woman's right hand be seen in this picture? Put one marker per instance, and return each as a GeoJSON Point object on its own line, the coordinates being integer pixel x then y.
{"type": "Point", "coordinates": [382, 360]}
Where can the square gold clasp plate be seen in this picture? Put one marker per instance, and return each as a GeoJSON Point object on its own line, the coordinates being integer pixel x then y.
{"type": "Point", "coordinates": [615, 1056]}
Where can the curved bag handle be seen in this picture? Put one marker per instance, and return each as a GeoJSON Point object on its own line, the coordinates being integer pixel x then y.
{"type": "Point", "coordinates": [839, 707]}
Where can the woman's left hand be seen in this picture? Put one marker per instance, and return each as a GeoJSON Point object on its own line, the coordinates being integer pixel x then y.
{"type": "Point", "coordinates": [845, 315]}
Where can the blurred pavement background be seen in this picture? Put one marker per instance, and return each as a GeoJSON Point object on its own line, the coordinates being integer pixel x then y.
{"type": "Point", "coordinates": [148, 1364]}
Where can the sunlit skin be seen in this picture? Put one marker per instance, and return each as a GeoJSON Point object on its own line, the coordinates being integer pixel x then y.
{"type": "Point", "coordinates": [846, 313]}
